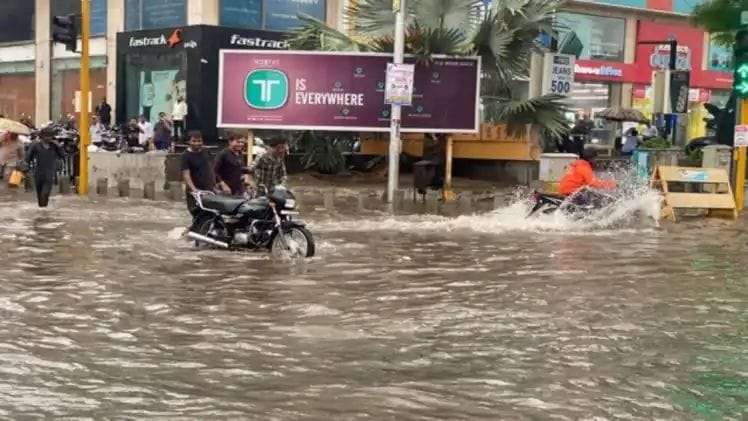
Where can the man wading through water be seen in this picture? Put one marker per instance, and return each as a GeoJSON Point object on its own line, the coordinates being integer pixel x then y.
{"type": "Point", "coordinates": [270, 169]}
{"type": "Point", "coordinates": [45, 154]}
{"type": "Point", "coordinates": [230, 168]}
{"type": "Point", "coordinates": [196, 172]}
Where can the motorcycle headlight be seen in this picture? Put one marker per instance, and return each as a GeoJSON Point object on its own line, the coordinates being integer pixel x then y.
{"type": "Point", "coordinates": [290, 203]}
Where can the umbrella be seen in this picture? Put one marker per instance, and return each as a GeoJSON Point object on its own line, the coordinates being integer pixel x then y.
{"type": "Point", "coordinates": [13, 126]}
{"type": "Point", "coordinates": [622, 114]}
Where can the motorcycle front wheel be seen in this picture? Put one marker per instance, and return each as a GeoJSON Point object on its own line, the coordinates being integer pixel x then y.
{"type": "Point", "coordinates": [292, 243]}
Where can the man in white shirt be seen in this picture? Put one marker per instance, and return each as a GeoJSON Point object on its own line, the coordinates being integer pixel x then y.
{"type": "Point", "coordinates": [177, 116]}
{"type": "Point", "coordinates": [146, 132]}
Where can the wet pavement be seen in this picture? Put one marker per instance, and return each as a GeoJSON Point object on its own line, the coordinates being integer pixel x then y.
{"type": "Point", "coordinates": [108, 313]}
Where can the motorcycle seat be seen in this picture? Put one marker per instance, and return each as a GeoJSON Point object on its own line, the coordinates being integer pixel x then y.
{"type": "Point", "coordinates": [553, 195]}
{"type": "Point", "coordinates": [222, 204]}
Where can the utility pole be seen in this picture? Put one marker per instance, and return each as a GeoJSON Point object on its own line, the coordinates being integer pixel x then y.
{"type": "Point", "coordinates": [85, 135]}
{"type": "Point", "coordinates": [393, 175]}
{"type": "Point", "coordinates": [740, 90]}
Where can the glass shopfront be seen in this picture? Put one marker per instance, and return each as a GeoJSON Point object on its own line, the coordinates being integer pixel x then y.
{"type": "Point", "coordinates": [98, 13]}
{"type": "Point", "coordinates": [150, 14]}
{"type": "Point", "coordinates": [154, 81]}
{"type": "Point", "coordinates": [16, 20]}
{"type": "Point", "coordinates": [66, 82]}
{"type": "Point", "coordinates": [17, 89]}
{"type": "Point", "coordinates": [591, 37]}
{"type": "Point", "coordinates": [278, 15]}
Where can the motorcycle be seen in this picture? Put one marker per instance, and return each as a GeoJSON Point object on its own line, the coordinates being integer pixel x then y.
{"type": "Point", "coordinates": [580, 204]}
{"type": "Point", "coordinates": [265, 222]}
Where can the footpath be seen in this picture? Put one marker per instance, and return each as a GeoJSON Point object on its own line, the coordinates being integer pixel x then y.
{"type": "Point", "coordinates": [350, 193]}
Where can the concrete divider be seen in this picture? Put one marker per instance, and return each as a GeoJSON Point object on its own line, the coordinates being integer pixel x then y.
{"type": "Point", "coordinates": [64, 185]}
{"type": "Point", "coordinates": [149, 190]}
{"type": "Point", "coordinates": [102, 186]}
{"type": "Point", "coordinates": [123, 188]}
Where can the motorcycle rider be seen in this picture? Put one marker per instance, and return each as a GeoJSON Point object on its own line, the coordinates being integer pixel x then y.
{"type": "Point", "coordinates": [270, 169]}
{"type": "Point", "coordinates": [580, 181]}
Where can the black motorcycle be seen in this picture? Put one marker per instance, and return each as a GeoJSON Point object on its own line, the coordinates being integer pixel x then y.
{"type": "Point", "coordinates": [579, 204]}
{"type": "Point", "coordinates": [265, 222]}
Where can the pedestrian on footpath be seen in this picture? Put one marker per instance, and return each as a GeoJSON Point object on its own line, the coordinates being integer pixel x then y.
{"type": "Point", "coordinates": [44, 155]}
{"type": "Point", "coordinates": [162, 133]}
{"type": "Point", "coordinates": [11, 153]}
{"type": "Point", "coordinates": [145, 139]}
{"type": "Point", "coordinates": [229, 167]}
{"type": "Point", "coordinates": [179, 113]}
{"type": "Point", "coordinates": [196, 172]}
{"type": "Point", "coordinates": [270, 169]}
{"type": "Point", "coordinates": [104, 111]}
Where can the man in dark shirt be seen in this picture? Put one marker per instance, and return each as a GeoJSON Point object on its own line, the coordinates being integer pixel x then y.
{"type": "Point", "coordinates": [44, 155]}
{"type": "Point", "coordinates": [196, 171]}
{"type": "Point", "coordinates": [162, 133]}
{"type": "Point", "coordinates": [229, 167]}
{"type": "Point", "coordinates": [104, 111]}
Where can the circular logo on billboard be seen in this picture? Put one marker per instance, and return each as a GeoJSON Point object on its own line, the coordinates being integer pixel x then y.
{"type": "Point", "coordinates": [419, 109]}
{"type": "Point", "coordinates": [338, 84]}
{"type": "Point", "coordinates": [345, 111]}
{"type": "Point", "coordinates": [359, 71]}
{"type": "Point", "coordinates": [380, 85]}
{"type": "Point", "coordinates": [266, 89]}
{"type": "Point", "coordinates": [385, 113]}
{"type": "Point", "coordinates": [435, 75]}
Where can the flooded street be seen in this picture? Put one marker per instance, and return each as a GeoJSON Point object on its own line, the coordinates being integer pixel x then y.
{"type": "Point", "coordinates": [107, 312]}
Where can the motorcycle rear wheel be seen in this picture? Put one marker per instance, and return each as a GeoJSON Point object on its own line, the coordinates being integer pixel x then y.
{"type": "Point", "coordinates": [208, 228]}
{"type": "Point", "coordinates": [294, 242]}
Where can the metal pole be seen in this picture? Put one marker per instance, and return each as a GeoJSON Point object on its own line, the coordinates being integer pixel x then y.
{"type": "Point", "coordinates": [85, 139]}
{"type": "Point", "coordinates": [740, 161]}
{"type": "Point", "coordinates": [393, 175]}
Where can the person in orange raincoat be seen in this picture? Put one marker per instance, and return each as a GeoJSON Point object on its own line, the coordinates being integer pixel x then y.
{"type": "Point", "coordinates": [580, 176]}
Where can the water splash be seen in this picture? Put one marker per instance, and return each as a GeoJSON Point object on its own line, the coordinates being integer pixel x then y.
{"type": "Point", "coordinates": [637, 207]}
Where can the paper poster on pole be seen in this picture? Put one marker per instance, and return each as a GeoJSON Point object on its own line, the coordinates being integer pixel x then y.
{"type": "Point", "coordinates": [741, 135]}
{"type": "Point", "coordinates": [558, 74]}
{"type": "Point", "coordinates": [77, 101]}
{"type": "Point", "coordinates": [399, 84]}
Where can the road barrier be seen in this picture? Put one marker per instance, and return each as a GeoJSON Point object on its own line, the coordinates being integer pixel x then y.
{"type": "Point", "coordinates": [694, 188]}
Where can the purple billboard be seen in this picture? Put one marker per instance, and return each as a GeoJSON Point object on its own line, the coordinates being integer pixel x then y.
{"type": "Point", "coordinates": [342, 91]}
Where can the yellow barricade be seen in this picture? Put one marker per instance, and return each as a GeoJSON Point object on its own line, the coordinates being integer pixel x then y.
{"type": "Point", "coordinates": [702, 188]}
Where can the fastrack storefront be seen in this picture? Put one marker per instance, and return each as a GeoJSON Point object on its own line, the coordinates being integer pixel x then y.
{"type": "Point", "coordinates": [156, 67]}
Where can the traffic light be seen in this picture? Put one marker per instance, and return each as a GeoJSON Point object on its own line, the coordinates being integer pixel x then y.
{"type": "Point", "coordinates": [740, 85]}
{"type": "Point", "coordinates": [65, 31]}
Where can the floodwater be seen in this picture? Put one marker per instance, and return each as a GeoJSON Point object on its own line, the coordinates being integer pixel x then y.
{"type": "Point", "coordinates": [108, 313]}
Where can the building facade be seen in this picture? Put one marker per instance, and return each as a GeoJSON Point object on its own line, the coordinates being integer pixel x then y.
{"type": "Point", "coordinates": [40, 78]}
{"type": "Point", "coordinates": [614, 68]}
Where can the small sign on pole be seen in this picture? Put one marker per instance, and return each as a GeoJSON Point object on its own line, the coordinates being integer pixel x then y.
{"type": "Point", "coordinates": [558, 74]}
{"type": "Point", "coordinates": [399, 84]}
{"type": "Point", "coordinates": [741, 135]}
{"type": "Point", "coordinates": [77, 101]}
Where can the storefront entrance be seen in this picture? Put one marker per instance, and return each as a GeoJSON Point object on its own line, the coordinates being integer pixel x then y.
{"type": "Point", "coordinates": [156, 67]}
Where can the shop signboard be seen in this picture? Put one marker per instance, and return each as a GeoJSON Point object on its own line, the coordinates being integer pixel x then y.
{"type": "Point", "coordinates": [558, 74]}
{"type": "Point", "coordinates": [299, 90]}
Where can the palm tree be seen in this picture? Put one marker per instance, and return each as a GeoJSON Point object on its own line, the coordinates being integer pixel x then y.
{"type": "Point", "coordinates": [721, 18]}
{"type": "Point", "coordinates": [504, 36]}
